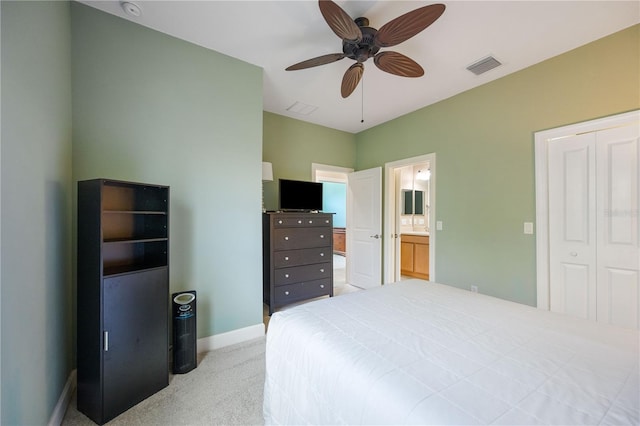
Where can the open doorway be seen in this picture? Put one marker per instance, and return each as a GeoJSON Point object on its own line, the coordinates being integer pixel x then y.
{"type": "Point", "coordinates": [409, 246]}
{"type": "Point", "coordinates": [334, 182]}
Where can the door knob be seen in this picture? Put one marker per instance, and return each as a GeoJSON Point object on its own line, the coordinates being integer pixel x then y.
{"type": "Point", "coordinates": [375, 236]}
{"type": "Point", "coordinates": [573, 253]}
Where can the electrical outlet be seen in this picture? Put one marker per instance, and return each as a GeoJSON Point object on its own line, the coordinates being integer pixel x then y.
{"type": "Point", "coordinates": [474, 288]}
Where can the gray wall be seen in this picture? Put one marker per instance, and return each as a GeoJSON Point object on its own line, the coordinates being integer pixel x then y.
{"type": "Point", "coordinates": [36, 202]}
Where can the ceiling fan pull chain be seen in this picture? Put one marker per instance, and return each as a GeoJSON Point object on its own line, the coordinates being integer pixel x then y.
{"type": "Point", "coordinates": [362, 100]}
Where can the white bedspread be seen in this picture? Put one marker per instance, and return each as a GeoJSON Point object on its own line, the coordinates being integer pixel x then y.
{"type": "Point", "coordinates": [422, 353]}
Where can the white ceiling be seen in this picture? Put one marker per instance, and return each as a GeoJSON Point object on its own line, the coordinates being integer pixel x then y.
{"type": "Point", "coordinates": [276, 34]}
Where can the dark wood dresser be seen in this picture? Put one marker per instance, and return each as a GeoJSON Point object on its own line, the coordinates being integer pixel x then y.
{"type": "Point", "coordinates": [297, 257]}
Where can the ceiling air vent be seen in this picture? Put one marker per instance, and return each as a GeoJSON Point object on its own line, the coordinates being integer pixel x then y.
{"type": "Point", "coordinates": [484, 65]}
{"type": "Point", "coordinates": [302, 109]}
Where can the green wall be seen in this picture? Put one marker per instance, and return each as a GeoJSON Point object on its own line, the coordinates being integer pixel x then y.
{"type": "Point", "coordinates": [293, 145]}
{"type": "Point", "coordinates": [151, 108]}
{"type": "Point", "coordinates": [148, 107]}
{"type": "Point", "coordinates": [36, 294]}
{"type": "Point", "coordinates": [483, 140]}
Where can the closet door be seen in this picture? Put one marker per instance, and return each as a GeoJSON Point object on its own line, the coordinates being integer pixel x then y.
{"type": "Point", "coordinates": [572, 226]}
{"type": "Point", "coordinates": [594, 249]}
{"type": "Point", "coordinates": [618, 260]}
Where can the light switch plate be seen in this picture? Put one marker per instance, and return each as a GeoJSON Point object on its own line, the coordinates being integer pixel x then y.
{"type": "Point", "coordinates": [528, 227]}
{"type": "Point", "coordinates": [439, 225]}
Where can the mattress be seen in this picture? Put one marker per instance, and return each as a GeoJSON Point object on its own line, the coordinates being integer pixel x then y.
{"type": "Point", "coordinates": [416, 352]}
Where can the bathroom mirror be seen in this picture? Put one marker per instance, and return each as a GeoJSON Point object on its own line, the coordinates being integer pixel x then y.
{"type": "Point", "coordinates": [407, 201]}
{"type": "Point", "coordinates": [412, 202]}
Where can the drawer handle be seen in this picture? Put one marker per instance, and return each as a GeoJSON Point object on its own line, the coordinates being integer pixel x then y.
{"type": "Point", "coordinates": [326, 221]}
{"type": "Point", "coordinates": [321, 236]}
{"type": "Point", "coordinates": [286, 238]}
{"type": "Point", "coordinates": [299, 221]}
{"type": "Point", "coordinates": [286, 258]}
{"type": "Point", "coordinates": [321, 285]}
{"type": "Point", "coordinates": [321, 254]}
{"type": "Point", "coordinates": [286, 275]}
{"type": "Point", "coordinates": [321, 269]}
{"type": "Point", "coordinates": [286, 293]}
{"type": "Point", "coordinates": [311, 221]}
{"type": "Point", "coordinates": [280, 222]}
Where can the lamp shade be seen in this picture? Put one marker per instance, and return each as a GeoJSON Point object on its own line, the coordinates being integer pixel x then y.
{"type": "Point", "coordinates": [267, 171]}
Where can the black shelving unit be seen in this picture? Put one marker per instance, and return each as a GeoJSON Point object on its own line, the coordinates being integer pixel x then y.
{"type": "Point", "coordinates": [122, 295]}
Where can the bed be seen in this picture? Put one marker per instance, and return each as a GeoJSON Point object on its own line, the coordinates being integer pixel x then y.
{"type": "Point", "coordinates": [417, 352]}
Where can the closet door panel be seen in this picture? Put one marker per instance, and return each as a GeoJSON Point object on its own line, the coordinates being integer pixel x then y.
{"type": "Point", "coordinates": [618, 158]}
{"type": "Point", "coordinates": [572, 226]}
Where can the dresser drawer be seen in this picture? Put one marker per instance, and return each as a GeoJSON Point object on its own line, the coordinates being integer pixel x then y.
{"type": "Point", "coordinates": [296, 274]}
{"type": "Point", "coordinates": [300, 291]}
{"type": "Point", "coordinates": [299, 238]}
{"type": "Point", "coordinates": [302, 221]}
{"type": "Point", "coordinates": [288, 258]}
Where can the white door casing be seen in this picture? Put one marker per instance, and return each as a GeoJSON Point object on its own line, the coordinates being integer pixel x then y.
{"type": "Point", "coordinates": [364, 228]}
{"type": "Point", "coordinates": [587, 201]}
{"type": "Point", "coordinates": [392, 241]}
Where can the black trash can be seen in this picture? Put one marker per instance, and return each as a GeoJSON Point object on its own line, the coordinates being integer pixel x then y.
{"type": "Point", "coordinates": [184, 332]}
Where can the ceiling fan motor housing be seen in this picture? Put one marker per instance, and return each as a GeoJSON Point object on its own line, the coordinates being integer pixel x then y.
{"type": "Point", "coordinates": [365, 48]}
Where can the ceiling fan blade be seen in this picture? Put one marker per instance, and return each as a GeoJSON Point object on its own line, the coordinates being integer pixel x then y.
{"type": "Point", "coordinates": [351, 79]}
{"type": "Point", "coordinates": [339, 21]}
{"type": "Point", "coordinates": [406, 26]}
{"type": "Point", "coordinates": [314, 62]}
{"type": "Point", "coordinates": [398, 64]}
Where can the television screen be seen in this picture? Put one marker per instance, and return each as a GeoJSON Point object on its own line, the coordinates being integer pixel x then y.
{"type": "Point", "coordinates": [299, 195]}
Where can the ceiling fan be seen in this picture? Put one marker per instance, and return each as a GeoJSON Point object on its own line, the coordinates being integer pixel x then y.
{"type": "Point", "coordinates": [361, 42]}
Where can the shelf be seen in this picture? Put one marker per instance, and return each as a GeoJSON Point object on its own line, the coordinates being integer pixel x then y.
{"type": "Point", "coordinates": [119, 227]}
{"type": "Point", "coordinates": [134, 240]}
{"type": "Point", "coordinates": [128, 269]}
{"type": "Point", "coordinates": [122, 289]}
{"type": "Point", "coordinates": [125, 197]}
{"type": "Point", "coordinates": [135, 212]}
{"type": "Point", "coordinates": [132, 255]}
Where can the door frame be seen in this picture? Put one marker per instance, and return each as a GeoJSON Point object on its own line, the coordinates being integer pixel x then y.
{"type": "Point", "coordinates": [391, 267]}
{"type": "Point", "coordinates": [541, 141]}
{"type": "Point", "coordinates": [333, 174]}
{"type": "Point", "coordinates": [317, 168]}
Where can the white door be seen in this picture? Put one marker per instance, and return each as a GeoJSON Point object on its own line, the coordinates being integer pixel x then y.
{"type": "Point", "coordinates": [572, 226]}
{"type": "Point", "coordinates": [594, 253]}
{"type": "Point", "coordinates": [618, 263]}
{"type": "Point", "coordinates": [364, 228]}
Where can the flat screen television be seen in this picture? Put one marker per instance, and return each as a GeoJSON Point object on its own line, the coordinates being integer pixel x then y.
{"type": "Point", "coordinates": [296, 195]}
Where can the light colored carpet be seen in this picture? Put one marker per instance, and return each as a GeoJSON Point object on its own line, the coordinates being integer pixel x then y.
{"type": "Point", "coordinates": [225, 389]}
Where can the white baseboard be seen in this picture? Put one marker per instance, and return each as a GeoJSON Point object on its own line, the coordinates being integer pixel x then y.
{"type": "Point", "coordinates": [206, 344]}
{"type": "Point", "coordinates": [63, 402]}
